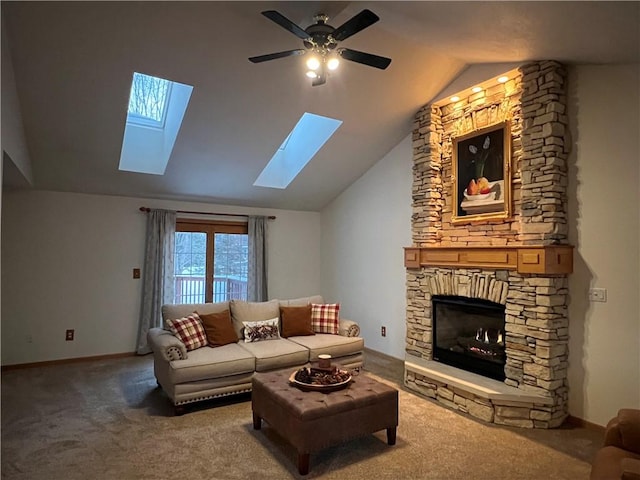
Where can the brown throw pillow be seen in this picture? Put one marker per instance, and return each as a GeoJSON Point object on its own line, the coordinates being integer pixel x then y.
{"type": "Point", "coordinates": [219, 328]}
{"type": "Point", "coordinates": [296, 321]}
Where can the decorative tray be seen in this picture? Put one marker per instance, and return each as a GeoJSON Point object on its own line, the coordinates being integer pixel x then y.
{"type": "Point", "coordinates": [320, 379]}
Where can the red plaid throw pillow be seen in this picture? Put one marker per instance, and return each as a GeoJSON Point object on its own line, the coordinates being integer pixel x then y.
{"type": "Point", "coordinates": [325, 318]}
{"type": "Point", "coordinates": [189, 330]}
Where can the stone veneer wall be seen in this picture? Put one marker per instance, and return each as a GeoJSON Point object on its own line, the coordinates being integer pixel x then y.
{"type": "Point", "coordinates": [536, 305]}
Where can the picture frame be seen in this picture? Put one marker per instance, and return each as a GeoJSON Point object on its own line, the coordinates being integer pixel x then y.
{"type": "Point", "coordinates": [481, 175]}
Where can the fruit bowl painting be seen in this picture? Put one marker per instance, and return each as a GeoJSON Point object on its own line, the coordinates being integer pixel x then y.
{"type": "Point", "coordinates": [481, 174]}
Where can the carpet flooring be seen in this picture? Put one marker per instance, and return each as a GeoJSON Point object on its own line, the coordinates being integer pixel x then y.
{"type": "Point", "coordinates": [108, 420]}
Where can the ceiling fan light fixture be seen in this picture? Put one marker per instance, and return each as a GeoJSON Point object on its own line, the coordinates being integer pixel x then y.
{"type": "Point", "coordinates": [333, 63]}
{"type": "Point", "coordinates": [312, 74]}
{"type": "Point", "coordinates": [313, 63]}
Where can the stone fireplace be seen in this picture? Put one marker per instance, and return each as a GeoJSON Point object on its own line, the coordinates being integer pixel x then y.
{"type": "Point", "coordinates": [519, 263]}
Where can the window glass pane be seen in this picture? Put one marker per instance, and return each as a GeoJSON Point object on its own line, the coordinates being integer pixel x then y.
{"type": "Point", "coordinates": [230, 267]}
{"type": "Point", "coordinates": [148, 98]}
{"type": "Point", "coordinates": [190, 267]}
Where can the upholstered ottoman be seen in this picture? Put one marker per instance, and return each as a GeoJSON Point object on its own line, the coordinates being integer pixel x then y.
{"type": "Point", "coordinates": [311, 421]}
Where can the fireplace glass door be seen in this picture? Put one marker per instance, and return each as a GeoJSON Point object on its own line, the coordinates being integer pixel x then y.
{"type": "Point", "coordinates": [468, 333]}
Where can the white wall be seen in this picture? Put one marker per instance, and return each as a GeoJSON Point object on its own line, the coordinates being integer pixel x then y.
{"type": "Point", "coordinates": [67, 262]}
{"type": "Point", "coordinates": [13, 139]}
{"type": "Point", "coordinates": [604, 208]}
{"type": "Point", "coordinates": [364, 231]}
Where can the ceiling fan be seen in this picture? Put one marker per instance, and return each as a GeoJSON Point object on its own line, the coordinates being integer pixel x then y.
{"type": "Point", "coordinates": [321, 41]}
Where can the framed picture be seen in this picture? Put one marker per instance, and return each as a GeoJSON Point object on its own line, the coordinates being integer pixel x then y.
{"type": "Point", "coordinates": [481, 175]}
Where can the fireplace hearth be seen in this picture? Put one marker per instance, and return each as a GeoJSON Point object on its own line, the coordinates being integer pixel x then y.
{"type": "Point", "coordinates": [469, 334]}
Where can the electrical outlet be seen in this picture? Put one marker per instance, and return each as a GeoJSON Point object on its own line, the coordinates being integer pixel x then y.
{"type": "Point", "coordinates": [598, 294]}
{"type": "Point", "coordinates": [383, 331]}
{"type": "Point", "coordinates": [136, 273]}
{"type": "Point", "coordinates": [69, 335]}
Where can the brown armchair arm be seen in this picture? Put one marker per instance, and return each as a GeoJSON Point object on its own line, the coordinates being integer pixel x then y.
{"type": "Point", "coordinates": [623, 431]}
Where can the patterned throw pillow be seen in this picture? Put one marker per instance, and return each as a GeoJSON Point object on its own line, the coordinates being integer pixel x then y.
{"type": "Point", "coordinates": [262, 330]}
{"type": "Point", "coordinates": [189, 330]}
{"type": "Point", "coordinates": [325, 318]}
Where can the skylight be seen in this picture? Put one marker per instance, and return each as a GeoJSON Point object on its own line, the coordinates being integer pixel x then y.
{"type": "Point", "coordinates": [298, 148]}
{"type": "Point", "coordinates": [154, 116]}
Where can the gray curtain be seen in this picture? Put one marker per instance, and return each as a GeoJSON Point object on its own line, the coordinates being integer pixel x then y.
{"type": "Point", "coordinates": [157, 279]}
{"type": "Point", "coordinates": [257, 268]}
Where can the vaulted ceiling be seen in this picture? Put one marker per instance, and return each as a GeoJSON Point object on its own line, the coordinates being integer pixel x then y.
{"type": "Point", "coordinates": [73, 63]}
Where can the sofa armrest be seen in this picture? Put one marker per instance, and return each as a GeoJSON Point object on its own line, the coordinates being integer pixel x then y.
{"type": "Point", "coordinates": [348, 328]}
{"type": "Point", "coordinates": [166, 344]}
{"type": "Point", "coordinates": [623, 431]}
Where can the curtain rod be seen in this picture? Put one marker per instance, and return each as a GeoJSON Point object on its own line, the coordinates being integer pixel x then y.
{"type": "Point", "coordinates": [147, 209]}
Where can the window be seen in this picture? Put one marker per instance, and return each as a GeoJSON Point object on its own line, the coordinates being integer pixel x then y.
{"type": "Point", "coordinates": [148, 100]}
{"type": "Point", "coordinates": [210, 261]}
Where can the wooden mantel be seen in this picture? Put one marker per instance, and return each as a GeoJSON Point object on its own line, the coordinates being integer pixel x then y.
{"type": "Point", "coordinates": [551, 259]}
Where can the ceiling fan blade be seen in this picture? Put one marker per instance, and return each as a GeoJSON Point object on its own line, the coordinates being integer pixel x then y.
{"type": "Point", "coordinates": [274, 56]}
{"type": "Point", "coordinates": [357, 23]}
{"type": "Point", "coordinates": [285, 23]}
{"type": "Point", "coordinates": [365, 58]}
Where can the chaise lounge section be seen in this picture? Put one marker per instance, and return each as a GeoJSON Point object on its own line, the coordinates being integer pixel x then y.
{"type": "Point", "coordinates": [207, 372]}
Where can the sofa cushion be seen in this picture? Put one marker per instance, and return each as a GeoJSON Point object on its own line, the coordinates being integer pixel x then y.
{"type": "Point", "coordinates": [218, 328]}
{"type": "Point", "coordinates": [607, 463]}
{"type": "Point", "coordinates": [279, 353]}
{"type": "Point", "coordinates": [296, 321]}
{"type": "Point", "coordinates": [630, 468]}
{"type": "Point", "coordinates": [207, 362]}
{"type": "Point", "coordinates": [334, 345]}
{"type": "Point", "coordinates": [262, 330]}
{"type": "Point", "coordinates": [302, 301]}
{"type": "Point", "coordinates": [242, 311]}
{"type": "Point", "coordinates": [325, 318]}
{"type": "Point", "coordinates": [189, 330]}
{"type": "Point", "coordinates": [179, 310]}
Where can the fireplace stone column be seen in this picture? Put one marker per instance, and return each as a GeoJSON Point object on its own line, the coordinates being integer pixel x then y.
{"type": "Point", "coordinates": [533, 101]}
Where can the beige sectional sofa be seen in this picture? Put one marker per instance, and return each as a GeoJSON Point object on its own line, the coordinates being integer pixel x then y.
{"type": "Point", "coordinates": [209, 372]}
